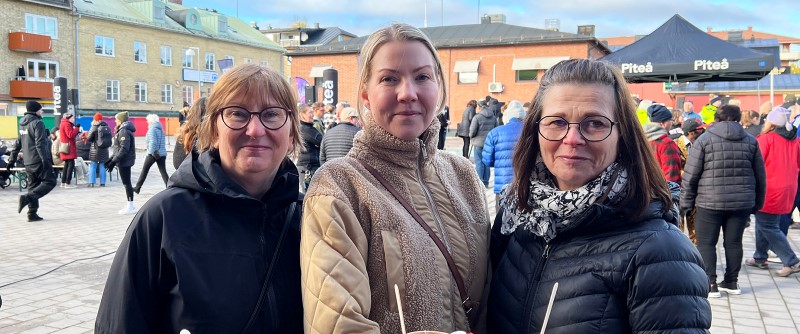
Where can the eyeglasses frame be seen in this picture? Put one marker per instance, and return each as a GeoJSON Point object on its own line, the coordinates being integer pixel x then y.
{"type": "Point", "coordinates": [539, 129]}
{"type": "Point", "coordinates": [252, 113]}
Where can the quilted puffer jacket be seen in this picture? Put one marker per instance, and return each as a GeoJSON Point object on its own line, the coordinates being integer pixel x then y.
{"type": "Point", "coordinates": [498, 151]}
{"type": "Point", "coordinates": [724, 171]}
{"type": "Point", "coordinates": [614, 275]}
{"type": "Point", "coordinates": [358, 242]}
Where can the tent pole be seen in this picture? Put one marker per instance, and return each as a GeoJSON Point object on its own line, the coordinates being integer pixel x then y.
{"type": "Point", "coordinates": [771, 88]}
{"type": "Point", "coordinates": [758, 91]}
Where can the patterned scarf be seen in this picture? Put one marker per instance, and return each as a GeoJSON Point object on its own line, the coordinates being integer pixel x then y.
{"type": "Point", "coordinates": [554, 210]}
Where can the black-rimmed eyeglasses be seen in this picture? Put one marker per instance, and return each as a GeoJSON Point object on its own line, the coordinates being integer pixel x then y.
{"type": "Point", "coordinates": [237, 118]}
{"type": "Point", "coordinates": [592, 128]}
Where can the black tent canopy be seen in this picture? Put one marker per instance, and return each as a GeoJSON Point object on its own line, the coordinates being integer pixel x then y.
{"type": "Point", "coordinates": [678, 51]}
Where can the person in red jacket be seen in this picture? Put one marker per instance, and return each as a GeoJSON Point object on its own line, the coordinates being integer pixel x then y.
{"type": "Point", "coordinates": [781, 150]}
{"type": "Point", "coordinates": [67, 132]}
{"type": "Point", "coordinates": [667, 152]}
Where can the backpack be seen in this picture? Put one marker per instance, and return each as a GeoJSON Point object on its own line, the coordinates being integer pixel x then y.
{"type": "Point", "coordinates": [103, 136]}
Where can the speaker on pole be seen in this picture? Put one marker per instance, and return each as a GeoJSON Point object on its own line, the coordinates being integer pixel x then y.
{"type": "Point", "coordinates": [330, 87]}
{"type": "Point", "coordinates": [59, 98]}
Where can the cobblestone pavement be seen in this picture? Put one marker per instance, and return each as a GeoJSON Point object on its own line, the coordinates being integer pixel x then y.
{"type": "Point", "coordinates": [83, 223]}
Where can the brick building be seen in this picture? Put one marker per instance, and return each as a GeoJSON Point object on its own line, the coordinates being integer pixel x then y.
{"type": "Point", "coordinates": [495, 59]}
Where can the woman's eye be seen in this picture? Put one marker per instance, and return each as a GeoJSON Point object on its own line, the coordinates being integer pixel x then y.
{"type": "Point", "coordinates": [424, 77]}
{"type": "Point", "coordinates": [388, 79]}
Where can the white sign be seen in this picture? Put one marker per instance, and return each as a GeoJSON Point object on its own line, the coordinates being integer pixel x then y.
{"type": "Point", "coordinates": [202, 76]}
{"type": "Point", "coordinates": [708, 65]}
{"type": "Point", "coordinates": [636, 68]}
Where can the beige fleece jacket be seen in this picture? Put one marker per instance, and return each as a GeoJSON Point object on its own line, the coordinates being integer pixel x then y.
{"type": "Point", "coordinates": [358, 241]}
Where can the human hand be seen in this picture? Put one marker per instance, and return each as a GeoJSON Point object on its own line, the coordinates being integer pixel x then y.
{"type": "Point", "coordinates": [110, 165]}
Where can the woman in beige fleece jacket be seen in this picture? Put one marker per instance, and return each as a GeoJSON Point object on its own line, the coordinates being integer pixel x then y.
{"type": "Point", "coordinates": [358, 242]}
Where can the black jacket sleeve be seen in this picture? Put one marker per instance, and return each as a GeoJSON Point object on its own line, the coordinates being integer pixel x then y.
{"type": "Point", "coordinates": [130, 302]}
{"type": "Point", "coordinates": [760, 173]}
{"type": "Point", "coordinates": [499, 242]}
{"type": "Point", "coordinates": [42, 140]}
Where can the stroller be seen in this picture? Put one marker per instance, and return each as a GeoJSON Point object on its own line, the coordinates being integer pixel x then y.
{"type": "Point", "coordinates": [5, 176]}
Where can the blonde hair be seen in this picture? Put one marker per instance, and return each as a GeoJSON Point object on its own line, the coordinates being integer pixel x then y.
{"type": "Point", "coordinates": [187, 133]}
{"type": "Point", "coordinates": [250, 81]}
{"type": "Point", "coordinates": [399, 32]}
{"type": "Point", "coordinates": [766, 107]}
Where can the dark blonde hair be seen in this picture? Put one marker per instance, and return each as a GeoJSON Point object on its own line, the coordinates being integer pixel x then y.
{"type": "Point", "coordinates": [633, 150]}
{"type": "Point", "coordinates": [399, 32]}
{"type": "Point", "coordinates": [187, 133]}
{"type": "Point", "coordinates": [250, 81]}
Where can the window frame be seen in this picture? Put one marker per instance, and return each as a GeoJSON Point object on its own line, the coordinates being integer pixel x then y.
{"type": "Point", "coordinates": [462, 81]}
{"type": "Point", "coordinates": [113, 86]}
{"type": "Point", "coordinates": [104, 51]}
{"type": "Point", "coordinates": [142, 54]}
{"type": "Point", "coordinates": [210, 65]}
{"type": "Point", "coordinates": [188, 93]}
{"type": "Point", "coordinates": [140, 91]}
{"type": "Point", "coordinates": [166, 93]}
{"type": "Point", "coordinates": [535, 78]}
{"type": "Point", "coordinates": [35, 73]}
{"type": "Point", "coordinates": [187, 59]}
{"type": "Point", "coordinates": [166, 61]}
{"type": "Point", "coordinates": [35, 22]}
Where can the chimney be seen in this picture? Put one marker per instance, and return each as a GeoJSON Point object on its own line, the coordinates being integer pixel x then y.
{"type": "Point", "coordinates": [749, 28]}
{"type": "Point", "coordinates": [586, 30]}
{"type": "Point", "coordinates": [179, 2]}
{"type": "Point", "coordinates": [316, 25]}
{"type": "Point", "coordinates": [708, 30]}
{"type": "Point", "coordinates": [254, 25]}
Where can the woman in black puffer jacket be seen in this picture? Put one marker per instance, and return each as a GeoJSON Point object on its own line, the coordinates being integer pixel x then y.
{"type": "Point", "coordinates": [124, 156]}
{"type": "Point", "coordinates": [589, 209]}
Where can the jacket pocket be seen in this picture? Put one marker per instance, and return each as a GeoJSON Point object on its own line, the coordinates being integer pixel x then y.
{"type": "Point", "coordinates": [394, 268]}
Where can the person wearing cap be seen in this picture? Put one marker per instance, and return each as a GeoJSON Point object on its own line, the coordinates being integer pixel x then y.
{"type": "Point", "coordinates": [724, 180]}
{"type": "Point", "coordinates": [34, 141]}
{"type": "Point", "coordinates": [338, 141]}
{"type": "Point", "coordinates": [98, 155]}
{"type": "Point", "coordinates": [692, 129]}
{"type": "Point", "coordinates": [498, 149]}
{"type": "Point", "coordinates": [708, 111]}
{"type": "Point", "coordinates": [67, 133]}
{"type": "Point", "coordinates": [124, 156]}
{"type": "Point", "coordinates": [781, 151]}
{"type": "Point", "coordinates": [789, 100]}
{"type": "Point", "coordinates": [667, 153]}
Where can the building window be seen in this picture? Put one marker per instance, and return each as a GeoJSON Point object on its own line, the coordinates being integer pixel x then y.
{"type": "Point", "coordinates": [112, 90]}
{"type": "Point", "coordinates": [166, 94]}
{"type": "Point", "coordinates": [139, 52]}
{"type": "Point", "coordinates": [188, 61]}
{"type": "Point", "coordinates": [166, 55]}
{"type": "Point", "coordinates": [527, 75]}
{"type": "Point", "coordinates": [42, 25]}
{"type": "Point", "coordinates": [467, 71]}
{"type": "Point", "coordinates": [140, 91]}
{"type": "Point", "coordinates": [265, 63]}
{"type": "Point", "coordinates": [103, 46]}
{"type": "Point", "coordinates": [188, 94]}
{"type": "Point", "coordinates": [231, 58]}
{"type": "Point", "coordinates": [42, 70]}
{"type": "Point", "coordinates": [210, 61]}
{"type": "Point", "coordinates": [248, 60]}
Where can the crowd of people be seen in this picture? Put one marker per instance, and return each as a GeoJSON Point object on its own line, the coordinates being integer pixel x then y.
{"type": "Point", "coordinates": [287, 217]}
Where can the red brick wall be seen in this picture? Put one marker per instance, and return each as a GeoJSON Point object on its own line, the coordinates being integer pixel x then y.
{"type": "Point", "coordinates": [495, 66]}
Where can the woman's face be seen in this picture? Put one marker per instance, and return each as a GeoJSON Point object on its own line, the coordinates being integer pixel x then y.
{"type": "Point", "coordinates": [402, 90]}
{"type": "Point", "coordinates": [253, 149]}
{"type": "Point", "coordinates": [573, 160]}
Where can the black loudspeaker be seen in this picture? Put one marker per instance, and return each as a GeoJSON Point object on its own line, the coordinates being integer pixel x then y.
{"type": "Point", "coordinates": [311, 94]}
{"type": "Point", "coordinates": [73, 96]}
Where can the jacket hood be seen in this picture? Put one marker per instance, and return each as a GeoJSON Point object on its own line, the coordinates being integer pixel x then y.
{"type": "Point", "coordinates": [128, 125]}
{"type": "Point", "coordinates": [486, 112]}
{"type": "Point", "coordinates": [788, 134]}
{"type": "Point", "coordinates": [729, 130]}
{"type": "Point", "coordinates": [654, 131]}
{"type": "Point", "coordinates": [28, 118]}
{"type": "Point", "coordinates": [203, 173]}
{"type": "Point", "coordinates": [100, 122]}
{"type": "Point", "coordinates": [374, 140]}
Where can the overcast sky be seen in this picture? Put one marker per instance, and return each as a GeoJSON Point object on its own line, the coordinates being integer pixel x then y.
{"type": "Point", "coordinates": [611, 17]}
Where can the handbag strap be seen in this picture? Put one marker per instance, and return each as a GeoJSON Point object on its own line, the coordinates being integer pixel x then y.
{"type": "Point", "coordinates": [468, 304]}
{"type": "Point", "coordinates": [271, 269]}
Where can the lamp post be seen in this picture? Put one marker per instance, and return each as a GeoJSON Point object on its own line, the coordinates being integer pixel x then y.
{"type": "Point", "coordinates": [190, 53]}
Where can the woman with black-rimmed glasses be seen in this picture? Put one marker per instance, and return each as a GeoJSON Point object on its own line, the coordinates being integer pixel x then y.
{"type": "Point", "coordinates": [218, 251]}
{"type": "Point", "coordinates": [589, 209]}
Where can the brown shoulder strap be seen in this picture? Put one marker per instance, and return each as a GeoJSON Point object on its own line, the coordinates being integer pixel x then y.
{"type": "Point", "coordinates": [465, 300]}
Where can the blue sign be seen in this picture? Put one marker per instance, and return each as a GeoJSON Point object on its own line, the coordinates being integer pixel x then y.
{"type": "Point", "coordinates": [202, 76]}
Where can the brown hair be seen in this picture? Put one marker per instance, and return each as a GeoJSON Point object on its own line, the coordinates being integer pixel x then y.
{"type": "Point", "coordinates": [251, 81]}
{"type": "Point", "coordinates": [187, 133]}
{"type": "Point", "coordinates": [402, 33]}
{"type": "Point", "coordinates": [633, 150]}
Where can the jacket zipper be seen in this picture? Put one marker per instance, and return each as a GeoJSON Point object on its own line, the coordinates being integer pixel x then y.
{"type": "Point", "coordinates": [420, 159]}
{"type": "Point", "coordinates": [531, 291]}
{"type": "Point", "coordinates": [263, 243]}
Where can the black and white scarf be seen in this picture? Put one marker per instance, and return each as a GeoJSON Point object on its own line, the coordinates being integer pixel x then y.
{"type": "Point", "coordinates": [554, 210]}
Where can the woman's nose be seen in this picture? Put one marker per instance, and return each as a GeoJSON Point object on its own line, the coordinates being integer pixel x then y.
{"type": "Point", "coordinates": [407, 91]}
{"type": "Point", "coordinates": [573, 136]}
{"type": "Point", "coordinates": [254, 128]}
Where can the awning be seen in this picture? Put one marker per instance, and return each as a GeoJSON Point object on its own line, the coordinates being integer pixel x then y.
{"type": "Point", "coordinates": [537, 63]}
{"type": "Point", "coordinates": [316, 71]}
{"type": "Point", "coordinates": [463, 66]}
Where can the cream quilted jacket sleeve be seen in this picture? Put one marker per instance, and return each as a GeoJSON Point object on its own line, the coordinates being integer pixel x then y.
{"type": "Point", "coordinates": [333, 254]}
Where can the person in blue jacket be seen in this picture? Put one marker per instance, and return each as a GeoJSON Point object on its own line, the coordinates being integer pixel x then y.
{"type": "Point", "coordinates": [498, 150]}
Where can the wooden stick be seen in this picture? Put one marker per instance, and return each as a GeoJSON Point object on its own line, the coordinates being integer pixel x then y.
{"type": "Point", "coordinates": [549, 307]}
{"type": "Point", "coordinates": [400, 309]}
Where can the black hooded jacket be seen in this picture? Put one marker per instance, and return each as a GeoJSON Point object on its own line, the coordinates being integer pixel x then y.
{"type": "Point", "coordinates": [124, 145]}
{"type": "Point", "coordinates": [615, 275]}
{"type": "Point", "coordinates": [196, 256]}
{"type": "Point", "coordinates": [34, 141]}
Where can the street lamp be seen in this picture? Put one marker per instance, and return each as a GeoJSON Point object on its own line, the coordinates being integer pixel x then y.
{"type": "Point", "coordinates": [190, 53]}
